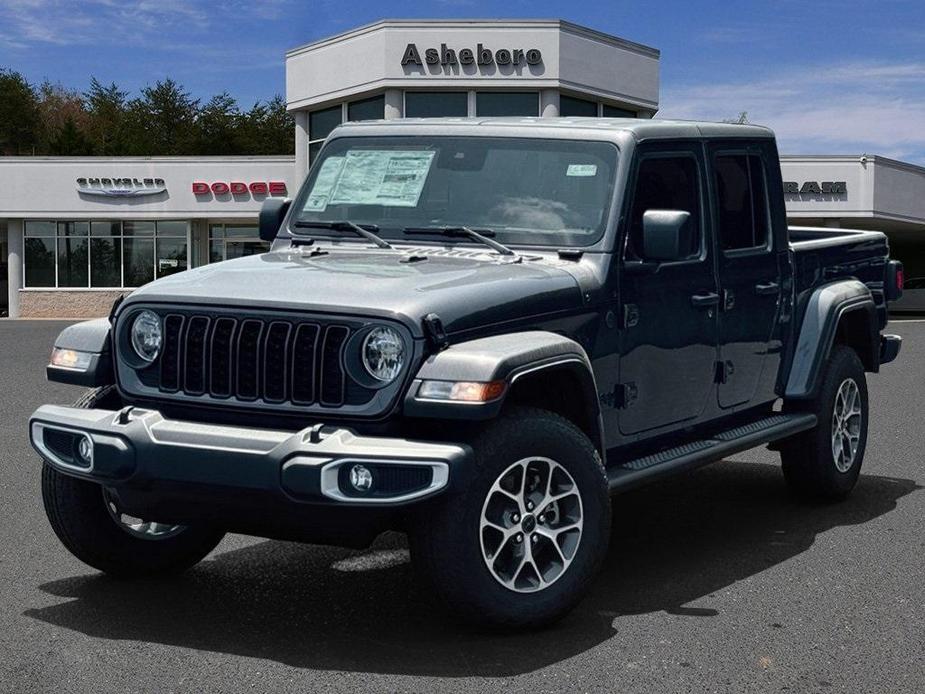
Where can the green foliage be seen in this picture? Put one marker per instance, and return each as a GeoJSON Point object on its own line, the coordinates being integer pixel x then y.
{"type": "Point", "coordinates": [163, 119]}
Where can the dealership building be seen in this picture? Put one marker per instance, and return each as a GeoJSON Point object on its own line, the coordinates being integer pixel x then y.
{"type": "Point", "coordinates": [77, 232]}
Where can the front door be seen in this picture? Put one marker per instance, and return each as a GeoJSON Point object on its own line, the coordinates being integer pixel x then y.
{"type": "Point", "coordinates": [669, 323]}
{"type": "Point", "coordinates": [748, 272]}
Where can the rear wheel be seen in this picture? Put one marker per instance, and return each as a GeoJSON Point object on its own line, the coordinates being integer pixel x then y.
{"type": "Point", "coordinates": [824, 463]}
{"type": "Point", "coordinates": [88, 520]}
{"type": "Point", "coordinates": [521, 543]}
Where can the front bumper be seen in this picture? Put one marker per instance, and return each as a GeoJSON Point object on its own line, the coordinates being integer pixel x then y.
{"type": "Point", "coordinates": [139, 449]}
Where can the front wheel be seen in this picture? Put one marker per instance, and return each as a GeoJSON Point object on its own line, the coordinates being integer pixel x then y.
{"type": "Point", "coordinates": [824, 463]}
{"type": "Point", "coordinates": [87, 519]}
{"type": "Point", "coordinates": [521, 543]}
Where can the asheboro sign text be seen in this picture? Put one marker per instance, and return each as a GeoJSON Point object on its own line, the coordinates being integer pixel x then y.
{"type": "Point", "coordinates": [480, 55]}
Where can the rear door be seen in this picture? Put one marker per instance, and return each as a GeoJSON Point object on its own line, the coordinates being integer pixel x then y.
{"type": "Point", "coordinates": [669, 337]}
{"type": "Point", "coordinates": [748, 274]}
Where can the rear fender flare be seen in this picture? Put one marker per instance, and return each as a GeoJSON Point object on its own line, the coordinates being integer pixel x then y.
{"type": "Point", "coordinates": [826, 308]}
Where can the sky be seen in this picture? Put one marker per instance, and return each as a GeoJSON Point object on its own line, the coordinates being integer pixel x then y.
{"type": "Point", "coordinates": [829, 76]}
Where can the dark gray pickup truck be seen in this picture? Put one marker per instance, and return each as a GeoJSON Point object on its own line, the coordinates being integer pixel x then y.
{"type": "Point", "coordinates": [474, 332]}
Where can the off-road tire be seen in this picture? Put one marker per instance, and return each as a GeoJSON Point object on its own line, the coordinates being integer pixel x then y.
{"type": "Point", "coordinates": [446, 540]}
{"type": "Point", "coordinates": [808, 460]}
{"type": "Point", "coordinates": [79, 516]}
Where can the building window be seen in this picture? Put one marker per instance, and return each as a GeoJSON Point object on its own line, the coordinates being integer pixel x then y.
{"type": "Point", "coordinates": [574, 107]}
{"type": "Point", "coordinates": [367, 109]}
{"type": "Point", "coordinates": [436, 104]}
{"type": "Point", "coordinates": [229, 241]}
{"type": "Point", "coordinates": [112, 254]}
{"type": "Point", "coordinates": [320, 125]}
{"type": "Point", "coordinates": [609, 111]}
{"type": "Point", "coordinates": [507, 104]}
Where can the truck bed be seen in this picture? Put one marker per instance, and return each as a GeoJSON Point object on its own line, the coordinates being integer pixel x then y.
{"type": "Point", "coordinates": [821, 255]}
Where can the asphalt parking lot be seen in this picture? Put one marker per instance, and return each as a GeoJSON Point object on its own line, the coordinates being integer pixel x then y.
{"type": "Point", "coordinates": [716, 581]}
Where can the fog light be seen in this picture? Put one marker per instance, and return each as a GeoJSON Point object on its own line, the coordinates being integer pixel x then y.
{"type": "Point", "coordinates": [85, 450]}
{"type": "Point", "coordinates": [361, 478]}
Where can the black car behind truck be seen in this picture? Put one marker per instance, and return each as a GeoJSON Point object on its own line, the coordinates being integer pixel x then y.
{"type": "Point", "coordinates": [475, 332]}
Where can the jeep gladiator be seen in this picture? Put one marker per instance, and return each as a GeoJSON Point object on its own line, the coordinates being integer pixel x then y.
{"type": "Point", "coordinates": [475, 332]}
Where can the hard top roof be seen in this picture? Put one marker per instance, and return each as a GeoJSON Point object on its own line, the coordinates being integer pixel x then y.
{"type": "Point", "coordinates": [640, 128]}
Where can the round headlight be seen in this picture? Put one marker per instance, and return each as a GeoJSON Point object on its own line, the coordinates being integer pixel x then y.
{"type": "Point", "coordinates": [146, 335]}
{"type": "Point", "coordinates": [383, 354]}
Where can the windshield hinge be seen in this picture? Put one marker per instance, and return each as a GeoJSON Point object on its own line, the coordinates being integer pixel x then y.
{"type": "Point", "coordinates": [433, 327]}
{"type": "Point", "coordinates": [570, 253]}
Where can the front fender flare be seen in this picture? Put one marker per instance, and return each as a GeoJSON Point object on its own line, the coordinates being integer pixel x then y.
{"type": "Point", "coordinates": [507, 358]}
{"type": "Point", "coordinates": [92, 336]}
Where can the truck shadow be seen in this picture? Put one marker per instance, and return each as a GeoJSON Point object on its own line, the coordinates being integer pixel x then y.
{"type": "Point", "coordinates": [673, 544]}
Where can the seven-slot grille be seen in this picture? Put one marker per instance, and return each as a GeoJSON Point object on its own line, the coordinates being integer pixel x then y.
{"type": "Point", "coordinates": [250, 359]}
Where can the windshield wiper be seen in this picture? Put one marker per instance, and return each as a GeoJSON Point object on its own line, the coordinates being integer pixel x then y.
{"type": "Point", "coordinates": [366, 231]}
{"type": "Point", "coordinates": [464, 232]}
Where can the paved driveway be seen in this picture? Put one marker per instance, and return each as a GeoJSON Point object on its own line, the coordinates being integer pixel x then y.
{"type": "Point", "coordinates": [716, 581]}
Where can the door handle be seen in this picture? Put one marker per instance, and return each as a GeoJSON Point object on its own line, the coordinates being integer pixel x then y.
{"type": "Point", "coordinates": [705, 300]}
{"type": "Point", "coordinates": [767, 288]}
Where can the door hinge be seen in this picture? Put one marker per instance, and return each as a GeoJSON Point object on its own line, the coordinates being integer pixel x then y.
{"type": "Point", "coordinates": [630, 316]}
{"type": "Point", "coordinates": [622, 396]}
{"type": "Point", "coordinates": [724, 369]}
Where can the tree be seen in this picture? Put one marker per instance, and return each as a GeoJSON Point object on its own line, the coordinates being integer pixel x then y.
{"type": "Point", "coordinates": [269, 128]}
{"type": "Point", "coordinates": [18, 114]}
{"type": "Point", "coordinates": [163, 120]}
{"type": "Point", "coordinates": [70, 141]}
{"type": "Point", "coordinates": [58, 108]}
{"type": "Point", "coordinates": [742, 119]}
{"type": "Point", "coordinates": [106, 126]}
{"type": "Point", "coordinates": [218, 126]}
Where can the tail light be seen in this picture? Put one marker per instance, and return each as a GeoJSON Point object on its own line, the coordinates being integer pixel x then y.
{"type": "Point", "coordinates": [895, 278]}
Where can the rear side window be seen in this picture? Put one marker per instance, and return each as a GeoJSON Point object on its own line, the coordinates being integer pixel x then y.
{"type": "Point", "coordinates": [742, 201]}
{"type": "Point", "coordinates": [665, 183]}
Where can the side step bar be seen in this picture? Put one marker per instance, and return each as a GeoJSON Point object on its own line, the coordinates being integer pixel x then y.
{"type": "Point", "coordinates": [634, 473]}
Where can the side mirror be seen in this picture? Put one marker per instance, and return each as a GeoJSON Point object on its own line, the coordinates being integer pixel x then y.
{"type": "Point", "coordinates": [272, 213]}
{"type": "Point", "coordinates": [667, 235]}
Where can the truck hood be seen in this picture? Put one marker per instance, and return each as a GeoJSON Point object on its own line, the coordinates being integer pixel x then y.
{"type": "Point", "coordinates": [465, 289]}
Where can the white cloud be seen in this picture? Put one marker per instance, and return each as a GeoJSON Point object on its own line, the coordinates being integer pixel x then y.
{"type": "Point", "coordinates": [27, 23]}
{"type": "Point", "coordinates": [872, 107]}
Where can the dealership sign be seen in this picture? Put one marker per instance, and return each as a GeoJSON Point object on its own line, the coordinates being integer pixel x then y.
{"type": "Point", "coordinates": [120, 187]}
{"type": "Point", "coordinates": [468, 56]}
{"type": "Point", "coordinates": [816, 188]}
{"type": "Point", "coordinates": [239, 188]}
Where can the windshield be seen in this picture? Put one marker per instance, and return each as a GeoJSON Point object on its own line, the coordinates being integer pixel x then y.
{"type": "Point", "coordinates": [523, 190]}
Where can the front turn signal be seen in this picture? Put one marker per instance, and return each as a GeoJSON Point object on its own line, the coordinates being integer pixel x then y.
{"type": "Point", "coordinates": [462, 391]}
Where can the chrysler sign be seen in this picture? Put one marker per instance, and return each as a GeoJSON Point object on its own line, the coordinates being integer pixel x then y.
{"type": "Point", "coordinates": [118, 187]}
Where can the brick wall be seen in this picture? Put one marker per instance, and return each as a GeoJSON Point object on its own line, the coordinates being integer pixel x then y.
{"type": "Point", "coordinates": [55, 303]}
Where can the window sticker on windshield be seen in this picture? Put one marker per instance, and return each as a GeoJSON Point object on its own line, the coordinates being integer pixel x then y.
{"type": "Point", "coordinates": [330, 171]}
{"type": "Point", "coordinates": [581, 170]}
{"type": "Point", "coordinates": [391, 178]}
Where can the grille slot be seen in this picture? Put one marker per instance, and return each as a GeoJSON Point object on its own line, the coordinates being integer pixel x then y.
{"type": "Point", "coordinates": [251, 359]}
{"type": "Point", "coordinates": [221, 367]}
{"type": "Point", "coordinates": [276, 361]}
{"type": "Point", "coordinates": [194, 376]}
{"type": "Point", "coordinates": [304, 348]}
{"type": "Point", "coordinates": [170, 358]}
{"type": "Point", "coordinates": [332, 368]}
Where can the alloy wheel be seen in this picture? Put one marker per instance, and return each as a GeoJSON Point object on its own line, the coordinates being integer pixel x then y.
{"type": "Point", "coordinates": [531, 524]}
{"type": "Point", "coordinates": [846, 425]}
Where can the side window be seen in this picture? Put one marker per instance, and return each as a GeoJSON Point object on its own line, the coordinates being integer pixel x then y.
{"type": "Point", "coordinates": [742, 201]}
{"type": "Point", "coordinates": [664, 183]}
